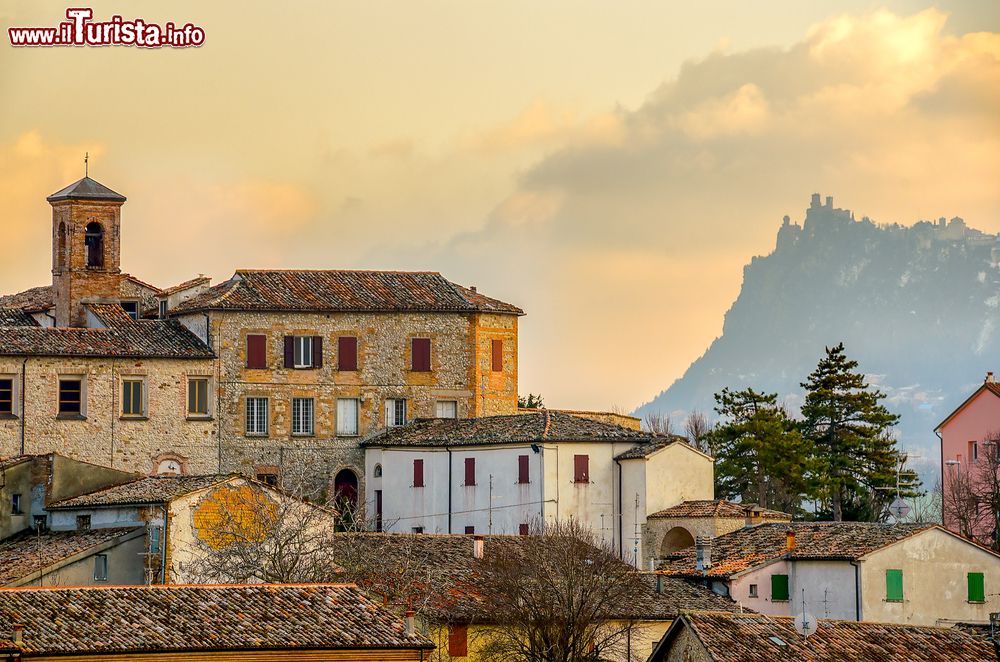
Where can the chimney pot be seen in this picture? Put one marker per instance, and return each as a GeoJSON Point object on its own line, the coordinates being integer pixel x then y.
{"type": "Point", "coordinates": [473, 288]}
{"type": "Point", "coordinates": [790, 540]}
{"type": "Point", "coordinates": [18, 633]}
{"type": "Point", "coordinates": [410, 623]}
{"type": "Point", "coordinates": [478, 545]}
{"type": "Point", "coordinates": [989, 377]}
{"type": "Point", "coordinates": [703, 553]}
{"type": "Point", "coordinates": [754, 515]}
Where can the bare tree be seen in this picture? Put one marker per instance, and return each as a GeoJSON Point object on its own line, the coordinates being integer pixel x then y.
{"type": "Point", "coordinates": [659, 423]}
{"type": "Point", "coordinates": [559, 595]}
{"type": "Point", "coordinates": [985, 478]}
{"type": "Point", "coordinates": [960, 501]}
{"type": "Point", "coordinates": [698, 428]}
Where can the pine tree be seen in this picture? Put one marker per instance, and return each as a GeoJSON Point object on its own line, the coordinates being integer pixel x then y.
{"type": "Point", "coordinates": [850, 431]}
{"type": "Point", "coordinates": [760, 454]}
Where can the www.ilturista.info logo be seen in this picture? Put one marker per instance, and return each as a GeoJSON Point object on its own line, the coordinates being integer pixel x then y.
{"type": "Point", "coordinates": [79, 30]}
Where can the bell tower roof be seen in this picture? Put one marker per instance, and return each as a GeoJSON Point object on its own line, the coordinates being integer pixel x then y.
{"type": "Point", "coordinates": [86, 189]}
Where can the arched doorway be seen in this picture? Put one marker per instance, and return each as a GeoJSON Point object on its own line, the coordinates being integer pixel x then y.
{"type": "Point", "coordinates": [345, 489]}
{"type": "Point", "coordinates": [676, 538]}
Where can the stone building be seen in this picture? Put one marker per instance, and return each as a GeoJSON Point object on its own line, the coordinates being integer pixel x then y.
{"type": "Point", "coordinates": [265, 373]}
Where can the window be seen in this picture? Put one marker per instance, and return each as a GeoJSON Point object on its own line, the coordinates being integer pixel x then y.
{"type": "Point", "coordinates": [469, 530]}
{"type": "Point", "coordinates": [131, 309]}
{"type": "Point", "coordinates": [378, 510]}
{"type": "Point", "coordinates": [163, 309]}
{"type": "Point", "coordinates": [347, 353]}
{"type": "Point", "coordinates": [347, 417]}
{"type": "Point", "coordinates": [446, 409]}
{"type": "Point", "coordinates": [420, 354]}
{"type": "Point", "coordinates": [581, 468]}
{"type": "Point", "coordinates": [71, 397]}
{"type": "Point", "coordinates": [458, 640]}
{"type": "Point", "coordinates": [197, 396]}
{"type": "Point", "coordinates": [101, 568]}
{"type": "Point", "coordinates": [893, 585]}
{"type": "Point", "coordinates": [977, 587]}
{"type": "Point", "coordinates": [6, 396]}
{"type": "Point", "coordinates": [418, 473]}
{"type": "Point", "coordinates": [268, 478]}
{"type": "Point", "coordinates": [377, 473]}
{"type": "Point", "coordinates": [974, 451]}
{"type": "Point", "coordinates": [753, 590]}
{"type": "Point", "coordinates": [417, 529]}
{"type": "Point", "coordinates": [38, 522]}
{"type": "Point", "coordinates": [470, 471]}
{"type": "Point", "coordinates": [395, 412]}
{"type": "Point", "coordinates": [496, 358]}
{"type": "Point", "coordinates": [302, 416]}
{"type": "Point", "coordinates": [132, 397]}
{"type": "Point", "coordinates": [522, 529]}
{"type": "Point", "coordinates": [257, 351]}
{"type": "Point", "coordinates": [522, 469]}
{"type": "Point", "coordinates": [779, 588]}
{"type": "Point", "coordinates": [15, 504]}
{"type": "Point", "coordinates": [93, 241]}
{"type": "Point", "coordinates": [155, 534]}
{"type": "Point", "coordinates": [256, 415]}
{"type": "Point", "coordinates": [83, 522]}
{"type": "Point", "coordinates": [303, 352]}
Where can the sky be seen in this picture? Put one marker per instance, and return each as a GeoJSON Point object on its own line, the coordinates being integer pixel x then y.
{"type": "Point", "coordinates": [610, 167]}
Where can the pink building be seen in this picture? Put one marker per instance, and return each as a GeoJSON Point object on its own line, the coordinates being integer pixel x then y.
{"type": "Point", "coordinates": [967, 435]}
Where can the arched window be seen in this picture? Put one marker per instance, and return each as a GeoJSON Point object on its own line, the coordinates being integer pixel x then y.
{"type": "Point", "coordinates": [378, 471]}
{"type": "Point", "coordinates": [345, 489]}
{"type": "Point", "coordinates": [94, 242]}
{"type": "Point", "coordinates": [61, 248]}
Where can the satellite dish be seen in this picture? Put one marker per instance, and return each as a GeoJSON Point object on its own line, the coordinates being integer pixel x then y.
{"type": "Point", "coordinates": [899, 509]}
{"type": "Point", "coordinates": [805, 624]}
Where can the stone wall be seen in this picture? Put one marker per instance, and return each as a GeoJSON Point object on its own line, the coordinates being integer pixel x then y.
{"type": "Point", "coordinates": [102, 436]}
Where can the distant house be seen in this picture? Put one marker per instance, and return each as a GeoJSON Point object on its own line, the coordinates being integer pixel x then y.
{"type": "Point", "coordinates": [447, 567]}
{"type": "Point", "coordinates": [246, 623]}
{"type": "Point", "coordinates": [717, 636]}
{"type": "Point", "coordinates": [677, 527]}
{"type": "Point", "coordinates": [180, 514]}
{"type": "Point", "coordinates": [500, 474]}
{"type": "Point", "coordinates": [894, 573]}
{"type": "Point", "coordinates": [965, 440]}
{"type": "Point", "coordinates": [73, 558]}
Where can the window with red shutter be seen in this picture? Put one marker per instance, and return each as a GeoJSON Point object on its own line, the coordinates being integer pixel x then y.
{"type": "Point", "coordinates": [470, 471]}
{"type": "Point", "coordinates": [317, 352]}
{"type": "Point", "coordinates": [522, 469]}
{"type": "Point", "coordinates": [497, 362]}
{"type": "Point", "coordinates": [256, 351]}
{"type": "Point", "coordinates": [418, 473]}
{"type": "Point", "coordinates": [347, 353]}
{"type": "Point", "coordinates": [420, 354]}
{"type": "Point", "coordinates": [581, 468]}
{"type": "Point", "coordinates": [289, 351]}
{"type": "Point", "coordinates": [458, 640]}
{"type": "Point", "coordinates": [522, 529]}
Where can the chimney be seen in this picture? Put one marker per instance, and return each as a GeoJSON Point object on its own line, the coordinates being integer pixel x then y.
{"type": "Point", "coordinates": [409, 623]}
{"type": "Point", "coordinates": [18, 634]}
{"type": "Point", "coordinates": [829, 202]}
{"type": "Point", "coordinates": [754, 515]}
{"type": "Point", "coordinates": [814, 202]}
{"type": "Point", "coordinates": [473, 288]}
{"type": "Point", "coordinates": [477, 547]}
{"type": "Point", "coordinates": [790, 540]}
{"type": "Point", "coordinates": [703, 553]}
{"type": "Point", "coordinates": [989, 378]}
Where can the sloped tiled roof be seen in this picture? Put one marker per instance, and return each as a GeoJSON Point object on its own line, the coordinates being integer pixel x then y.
{"type": "Point", "coordinates": [716, 508]}
{"type": "Point", "coordinates": [186, 285]}
{"type": "Point", "coordinates": [86, 189]}
{"type": "Point", "coordinates": [148, 490]}
{"type": "Point", "coordinates": [35, 300]}
{"type": "Point", "coordinates": [342, 291]}
{"type": "Point", "coordinates": [745, 548]}
{"type": "Point", "coordinates": [647, 449]}
{"type": "Point", "coordinates": [123, 337]}
{"type": "Point", "coordinates": [27, 552]}
{"type": "Point", "coordinates": [16, 317]}
{"type": "Point", "coordinates": [132, 619]}
{"type": "Point", "coordinates": [543, 426]}
{"type": "Point", "coordinates": [744, 637]}
{"type": "Point", "coordinates": [450, 557]}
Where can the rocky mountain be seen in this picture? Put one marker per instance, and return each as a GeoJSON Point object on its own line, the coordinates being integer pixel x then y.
{"type": "Point", "coordinates": [918, 306]}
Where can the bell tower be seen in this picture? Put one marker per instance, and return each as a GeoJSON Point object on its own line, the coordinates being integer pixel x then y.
{"type": "Point", "coordinates": [86, 248]}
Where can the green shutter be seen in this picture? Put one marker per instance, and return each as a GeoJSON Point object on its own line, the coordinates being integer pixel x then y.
{"type": "Point", "coordinates": [977, 588]}
{"type": "Point", "coordinates": [894, 585]}
{"type": "Point", "coordinates": [779, 587]}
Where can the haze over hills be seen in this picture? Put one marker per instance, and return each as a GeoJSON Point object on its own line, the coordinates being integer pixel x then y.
{"type": "Point", "coordinates": [918, 306]}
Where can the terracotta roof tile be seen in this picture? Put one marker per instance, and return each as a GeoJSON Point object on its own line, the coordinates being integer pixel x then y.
{"type": "Point", "coordinates": [748, 547]}
{"type": "Point", "coordinates": [26, 552]}
{"type": "Point", "coordinates": [186, 285]}
{"type": "Point", "coordinates": [148, 490]}
{"type": "Point", "coordinates": [16, 317]}
{"type": "Point", "coordinates": [342, 291]}
{"type": "Point", "coordinates": [202, 618]}
{"type": "Point", "coordinates": [647, 449]}
{"type": "Point", "coordinates": [543, 426]}
{"type": "Point", "coordinates": [743, 637]}
{"type": "Point", "coordinates": [35, 300]}
{"type": "Point", "coordinates": [123, 337]}
{"type": "Point", "coordinates": [716, 508]}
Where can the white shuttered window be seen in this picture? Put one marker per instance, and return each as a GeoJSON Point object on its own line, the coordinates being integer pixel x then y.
{"type": "Point", "coordinates": [347, 417]}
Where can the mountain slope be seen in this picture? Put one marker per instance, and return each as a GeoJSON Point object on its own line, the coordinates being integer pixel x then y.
{"type": "Point", "coordinates": [918, 306]}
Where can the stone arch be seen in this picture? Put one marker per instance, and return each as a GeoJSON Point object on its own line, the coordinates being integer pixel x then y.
{"type": "Point", "coordinates": [93, 240]}
{"type": "Point", "coordinates": [169, 464]}
{"type": "Point", "coordinates": [676, 538]}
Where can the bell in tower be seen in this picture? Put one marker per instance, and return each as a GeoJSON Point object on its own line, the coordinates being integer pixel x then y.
{"type": "Point", "coordinates": [86, 248]}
